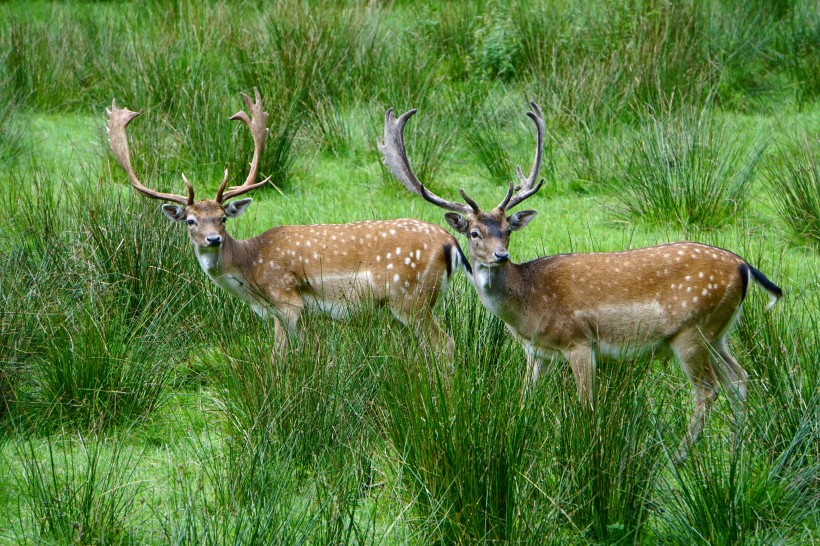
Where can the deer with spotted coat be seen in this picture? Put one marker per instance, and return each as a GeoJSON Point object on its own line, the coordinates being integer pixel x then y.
{"type": "Point", "coordinates": [680, 298]}
{"type": "Point", "coordinates": [405, 264]}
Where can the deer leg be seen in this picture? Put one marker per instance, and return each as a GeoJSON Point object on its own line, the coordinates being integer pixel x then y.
{"type": "Point", "coordinates": [280, 340]}
{"type": "Point", "coordinates": [533, 364]}
{"type": "Point", "coordinates": [734, 380]}
{"type": "Point", "coordinates": [285, 319]}
{"type": "Point", "coordinates": [582, 361]}
{"type": "Point", "coordinates": [425, 325]}
{"type": "Point", "coordinates": [733, 377]}
{"type": "Point", "coordinates": [694, 358]}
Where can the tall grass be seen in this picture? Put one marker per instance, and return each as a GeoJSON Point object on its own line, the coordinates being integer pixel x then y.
{"type": "Point", "coordinates": [98, 367]}
{"type": "Point", "coordinates": [276, 508]}
{"type": "Point", "coordinates": [686, 170]}
{"type": "Point", "coordinates": [78, 491]}
{"type": "Point", "coordinates": [605, 462]}
{"type": "Point", "coordinates": [315, 400]}
{"type": "Point", "coordinates": [89, 308]}
{"type": "Point", "coordinates": [736, 496]}
{"type": "Point", "coordinates": [794, 185]}
{"type": "Point", "coordinates": [467, 443]}
{"type": "Point", "coordinates": [487, 139]}
{"type": "Point", "coordinates": [797, 45]}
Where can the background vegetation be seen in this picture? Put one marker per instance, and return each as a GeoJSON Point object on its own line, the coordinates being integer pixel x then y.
{"type": "Point", "coordinates": [138, 404]}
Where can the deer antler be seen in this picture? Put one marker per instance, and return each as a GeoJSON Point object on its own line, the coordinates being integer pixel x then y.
{"type": "Point", "coordinates": [257, 123]}
{"type": "Point", "coordinates": [395, 157]}
{"type": "Point", "coordinates": [118, 119]}
{"type": "Point", "coordinates": [527, 188]}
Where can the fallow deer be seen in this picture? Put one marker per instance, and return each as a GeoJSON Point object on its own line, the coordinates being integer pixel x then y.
{"type": "Point", "coordinates": [678, 298]}
{"type": "Point", "coordinates": [405, 264]}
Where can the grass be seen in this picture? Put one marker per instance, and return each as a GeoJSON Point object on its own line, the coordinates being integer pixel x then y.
{"type": "Point", "coordinates": [794, 182]}
{"type": "Point", "coordinates": [690, 170]}
{"type": "Point", "coordinates": [139, 404]}
{"type": "Point", "coordinates": [79, 491]}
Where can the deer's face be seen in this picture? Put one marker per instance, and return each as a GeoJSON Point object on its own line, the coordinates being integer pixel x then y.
{"type": "Point", "coordinates": [206, 220]}
{"type": "Point", "coordinates": [488, 233]}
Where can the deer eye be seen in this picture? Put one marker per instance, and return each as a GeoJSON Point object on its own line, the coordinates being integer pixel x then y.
{"type": "Point", "coordinates": [191, 222]}
{"type": "Point", "coordinates": [224, 219]}
{"type": "Point", "coordinates": [474, 234]}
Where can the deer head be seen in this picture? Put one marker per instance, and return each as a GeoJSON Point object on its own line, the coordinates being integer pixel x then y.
{"type": "Point", "coordinates": [205, 218]}
{"type": "Point", "coordinates": [487, 232]}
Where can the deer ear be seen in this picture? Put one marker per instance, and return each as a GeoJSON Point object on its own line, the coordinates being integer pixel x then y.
{"type": "Point", "coordinates": [235, 208]}
{"type": "Point", "coordinates": [521, 219]}
{"type": "Point", "coordinates": [175, 213]}
{"type": "Point", "coordinates": [456, 221]}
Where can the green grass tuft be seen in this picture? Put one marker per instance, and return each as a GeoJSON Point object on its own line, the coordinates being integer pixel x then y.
{"type": "Point", "coordinates": [690, 170]}
{"type": "Point", "coordinates": [794, 183]}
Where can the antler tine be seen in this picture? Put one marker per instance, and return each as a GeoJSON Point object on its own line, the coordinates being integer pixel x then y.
{"type": "Point", "coordinates": [506, 200]}
{"type": "Point", "coordinates": [221, 189]}
{"type": "Point", "coordinates": [118, 119]}
{"type": "Point", "coordinates": [469, 201]}
{"type": "Point", "coordinates": [395, 157]}
{"type": "Point", "coordinates": [190, 188]}
{"type": "Point", "coordinates": [257, 123]}
{"type": "Point", "coordinates": [528, 186]}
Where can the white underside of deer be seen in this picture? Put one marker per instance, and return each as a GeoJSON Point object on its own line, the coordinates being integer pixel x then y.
{"type": "Point", "coordinates": [679, 299]}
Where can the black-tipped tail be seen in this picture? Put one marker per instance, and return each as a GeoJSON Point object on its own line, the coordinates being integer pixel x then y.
{"type": "Point", "coordinates": [456, 259]}
{"type": "Point", "coordinates": [775, 292]}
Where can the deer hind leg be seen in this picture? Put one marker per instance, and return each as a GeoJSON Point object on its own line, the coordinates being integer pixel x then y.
{"type": "Point", "coordinates": [582, 361]}
{"type": "Point", "coordinates": [732, 376]}
{"type": "Point", "coordinates": [424, 324]}
{"type": "Point", "coordinates": [694, 357]}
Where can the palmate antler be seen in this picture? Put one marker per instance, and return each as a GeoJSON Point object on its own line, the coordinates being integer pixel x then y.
{"type": "Point", "coordinates": [395, 157]}
{"type": "Point", "coordinates": [257, 123]}
{"type": "Point", "coordinates": [528, 186]}
{"type": "Point", "coordinates": [119, 118]}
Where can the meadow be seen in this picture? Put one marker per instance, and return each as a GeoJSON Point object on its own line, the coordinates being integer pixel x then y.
{"type": "Point", "coordinates": [139, 403]}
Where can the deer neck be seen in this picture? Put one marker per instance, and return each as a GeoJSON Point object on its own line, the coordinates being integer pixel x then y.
{"type": "Point", "coordinates": [498, 289]}
{"type": "Point", "coordinates": [227, 264]}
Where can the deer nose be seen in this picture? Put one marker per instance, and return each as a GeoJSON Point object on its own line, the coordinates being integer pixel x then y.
{"type": "Point", "coordinates": [501, 255]}
{"type": "Point", "coordinates": [214, 240]}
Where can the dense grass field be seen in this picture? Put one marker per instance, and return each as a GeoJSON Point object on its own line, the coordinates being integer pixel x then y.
{"type": "Point", "coordinates": [139, 403]}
